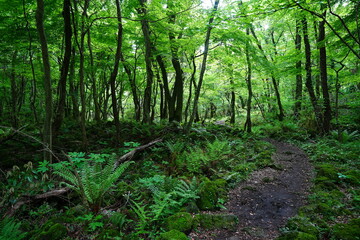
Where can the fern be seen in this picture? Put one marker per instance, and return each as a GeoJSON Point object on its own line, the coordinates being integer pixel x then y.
{"type": "Point", "coordinates": [92, 180]}
{"type": "Point", "coordinates": [10, 230]}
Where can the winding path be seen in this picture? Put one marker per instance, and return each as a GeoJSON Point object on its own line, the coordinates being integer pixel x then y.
{"type": "Point", "coordinates": [269, 197]}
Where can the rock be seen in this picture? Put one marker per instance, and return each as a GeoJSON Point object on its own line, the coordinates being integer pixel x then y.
{"type": "Point", "coordinates": [181, 221]}
{"type": "Point", "coordinates": [173, 235]}
{"type": "Point", "coordinates": [216, 221]}
{"type": "Point", "coordinates": [209, 194]}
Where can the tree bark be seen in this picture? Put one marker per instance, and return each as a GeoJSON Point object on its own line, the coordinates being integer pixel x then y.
{"type": "Point", "coordinates": [59, 114]}
{"type": "Point", "coordinates": [47, 133]}
{"type": "Point", "coordinates": [114, 72]}
{"type": "Point", "coordinates": [148, 55]}
{"type": "Point", "coordinates": [308, 82]}
{"type": "Point", "coordinates": [203, 65]}
{"type": "Point", "coordinates": [298, 90]}
{"type": "Point", "coordinates": [248, 124]}
{"type": "Point", "coordinates": [323, 75]}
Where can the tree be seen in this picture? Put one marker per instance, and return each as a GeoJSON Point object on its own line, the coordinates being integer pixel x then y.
{"type": "Point", "coordinates": [47, 133]}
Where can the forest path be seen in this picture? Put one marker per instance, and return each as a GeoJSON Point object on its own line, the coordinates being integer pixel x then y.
{"type": "Point", "coordinates": [268, 198]}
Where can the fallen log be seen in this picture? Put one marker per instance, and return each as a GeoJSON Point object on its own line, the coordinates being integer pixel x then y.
{"type": "Point", "coordinates": [128, 156]}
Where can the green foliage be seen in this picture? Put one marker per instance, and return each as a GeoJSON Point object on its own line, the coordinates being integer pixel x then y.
{"type": "Point", "coordinates": [93, 179]}
{"type": "Point", "coordinates": [347, 231]}
{"type": "Point", "coordinates": [93, 222]}
{"type": "Point", "coordinates": [345, 136]}
{"type": "Point", "coordinates": [10, 229]}
{"type": "Point", "coordinates": [211, 194]}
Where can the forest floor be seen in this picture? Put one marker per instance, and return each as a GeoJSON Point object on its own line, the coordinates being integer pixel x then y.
{"type": "Point", "coordinates": [268, 198]}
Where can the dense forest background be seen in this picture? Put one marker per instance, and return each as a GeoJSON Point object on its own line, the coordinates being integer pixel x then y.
{"type": "Point", "coordinates": [108, 76]}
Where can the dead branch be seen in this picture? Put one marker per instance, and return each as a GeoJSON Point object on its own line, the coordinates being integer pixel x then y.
{"type": "Point", "coordinates": [28, 199]}
{"type": "Point", "coordinates": [128, 156]}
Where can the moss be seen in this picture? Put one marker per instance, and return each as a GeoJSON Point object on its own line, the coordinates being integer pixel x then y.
{"type": "Point", "coordinates": [297, 236]}
{"type": "Point", "coordinates": [209, 194]}
{"type": "Point", "coordinates": [349, 231]}
{"type": "Point", "coordinates": [302, 224]}
{"type": "Point", "coordinates": [352, 177]}
{"type": "Point", "coordinates": [329, 171]}
{"type": "Point", "coordinates": [324, 183]}
{"type": "Point", "coordinates": [216, 221]}
{"type": "Point", "coordinates": [173, 235]}
{"type": "Point", "coordinates": [52, 231]}
{"type": "Point", "coordinates": [181, 221]}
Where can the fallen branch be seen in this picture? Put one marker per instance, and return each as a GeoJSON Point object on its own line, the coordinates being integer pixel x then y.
{"type": "Point", "coordinates": [28, 199]}
{"type": "Point", "coordinates": [128, 156]}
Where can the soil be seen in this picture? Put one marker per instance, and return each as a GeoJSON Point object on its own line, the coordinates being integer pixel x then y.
{"type": "Point", "coordinates": [268, 198]}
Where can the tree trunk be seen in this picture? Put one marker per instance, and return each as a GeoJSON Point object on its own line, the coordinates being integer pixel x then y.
{"type": "Point", "coordinates": [47, 134]}
{"type": "Point", "coordinates": [232, 101]}
{"type": "Point", "coordinates": [148, 55]}
{"type": "Point", "coordinates": [203, 65]}
{"type": "Point", "coordinates": [323, 75]}
{"type": "Point", "coordinates": [60, 108]}
{"type": "Point", "coordinates": [115, 72]}
{"type": "Point", "coordinates": [82, 77]}
{"type": "Point", "coordinates": [298, 90]}
{"type": "Point", "coordinates": [308, 81]}
{"type": "Point", "coordinates": [248, 124]}
{"type": "Point", "coordinates": [93, 80]}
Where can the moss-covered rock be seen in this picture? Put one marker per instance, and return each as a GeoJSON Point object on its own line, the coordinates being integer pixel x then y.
{"type": "Point", "coordinates": [215, 221]}
{"type": "Point", "coordinates": [349, 231]}
{"type": "Point", "coordinates": [297, 236]}
{"type": "Point", "coordinates": [181, 221]}
{"type": "Point", "coordinates": [209, 194]}
{"type": "Point", "coordinates": [173, 235]}
{"type": "Point", "coordinates": [52, 231]}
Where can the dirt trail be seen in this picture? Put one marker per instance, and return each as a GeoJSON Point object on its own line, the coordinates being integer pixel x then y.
{"type": "Point", "coordinates": [269, 197]}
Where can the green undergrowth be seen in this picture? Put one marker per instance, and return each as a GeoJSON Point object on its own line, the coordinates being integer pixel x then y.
{"type": "Point", "coordinates": [333, 208]}
{"type": "Point", "coordinates": [175, 179]}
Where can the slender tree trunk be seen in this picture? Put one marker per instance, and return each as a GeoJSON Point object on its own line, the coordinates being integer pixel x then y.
{"type": "Point", "coordinates": [192, 81]}
{"type": "Point", "coordinates": [308, 82]}
{"type": "Point", "coordinates": [93, 80]}
{"type": "Point", "coordinates": [82, 76]}
{"type": "Point", "coordinates": [134, 92]}
{"type": "Point", "coordinates": [248, 124]}
{"type": "Point", "coordinates": [73, 88]}
{"type": "Point", "coordinates": [323, 75]}
{"type": "Point", "coordinates": [281, 114]}
{"type": "Point", "coordinates": [148, 55]}
{"type": "Point", "coordinates": [59, 114]}
{"type": "Point", "coordinates": [203, 65]}
{"type": "Point", "coordinates": [47, 134]}
{"type": "Point", "coordinates": [115, 72]}
{"type": "Point", "coordinates": [298, 90]}
{"type": "Point", "coordinates": [14, 92]}
{"type": "Point", "coordinates": [33, 94]}
{"type": "Point", "coordinates": [232, 101]}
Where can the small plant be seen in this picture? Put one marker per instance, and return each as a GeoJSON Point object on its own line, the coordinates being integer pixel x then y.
{"type": "Point", "coordinates": [92, 221]}
{"type": "Point", "coordinates": [9, 229]}
{"type": "Point", "coordinates": [93, 179]}
{"type": "Point", "coordinates": [344, 136]}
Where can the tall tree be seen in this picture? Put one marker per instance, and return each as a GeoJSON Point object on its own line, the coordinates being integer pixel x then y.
{"type": "Point", "coordinates": [145, 27]}
{"type": "Point", "coordinates": [47, 133]}
{"type": "Point", "coordinates": [323, 75]}
{"type": "Point", "coordinates": [203, 64]}
{"type": "Point", "coordinates": [60, 107]}
{"type": "Point", "coordinates": [298, 90]}
{"type": "Point", "coordinates": [115, 71]}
